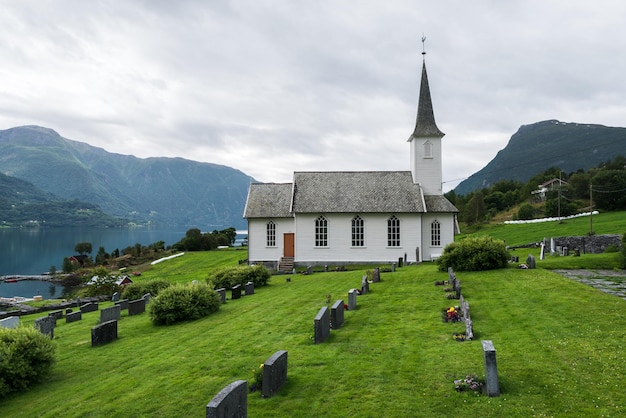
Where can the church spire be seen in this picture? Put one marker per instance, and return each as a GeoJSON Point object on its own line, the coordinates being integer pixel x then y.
{"type": "Point", "coordinates": [425, 126]}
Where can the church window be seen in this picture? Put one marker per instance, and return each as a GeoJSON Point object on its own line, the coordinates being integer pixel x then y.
{"type": "Point", "coordinates": [435, 234]}
{"type": "Point", "coordinates": [321, 232]}
{"type": "Point", "coordinates": [358, 235]}
{"type": "Point", "coordinates": [428, 149]}
{"type": "Point", "coordinates": [271, 234]}
{"type": "Point", "coordinates": [393, 232]}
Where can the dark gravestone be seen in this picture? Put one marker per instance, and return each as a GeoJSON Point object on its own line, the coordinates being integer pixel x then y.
{"type": "Point", "coordinates": [457, 288]}
{"type": "Point", "coordinates": [336, 314]}
{"type": "Point", "coordinates": [232, 401]}
{"type": "Point", "coordinates": [249, 288]}
{"type": "Point", "coordinates": [68, 311]}
{"type": "Point", "coordinates": [147, 297]}
{"type": "Point", "coordinates": [321, 325]}
{"type": "Point", "coordinates": [115, 297]}
{"type": "Point", "coordinates": [45, 325]}
{"type": "Point", "coordinates": [400, 260]}
{"type": "Point", "coordinates": [89, 307]}
{"type": "Point", "coordinates": [491, 368]}
{"type": "Point", "coordinates": [365, 285]}
{"type": "Point", "coordinates": [309, 270]}
{"type": "Point", "coordinates": [56, 314]}
{"type": "Point", "coordinates": [274, 373]}
{"type": "Point", "coordinates": [104, 333]}
{"type": "Point", "coordinates": [136, 307]}
{"type": "Point", "coordinates": [352, 293]}
{"type": "Point", "coordinates": [376, 275]}
{"type": "Point", "coordinates": [235, 291]}
{"type": "Point", "coordinates": [110, 314]}
{"type": "Point", "coordinates": [123, 304]}
{"type": "Point", "coordinates": [530, 261]}
{"type": "Point", "coordinates": [222, 293]}
{"type": "Point", "coordinates": [73, 316]}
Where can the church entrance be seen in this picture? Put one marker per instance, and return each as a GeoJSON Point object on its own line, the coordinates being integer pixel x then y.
{"type": "Point", "coordinates": [288, 244]}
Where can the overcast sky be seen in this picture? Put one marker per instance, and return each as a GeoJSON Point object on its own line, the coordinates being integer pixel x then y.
{"type": "Point", "coordinates": [269, 87]}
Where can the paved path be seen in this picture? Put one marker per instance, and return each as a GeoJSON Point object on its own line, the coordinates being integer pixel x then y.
{"type": "Point", "coordinates": [609, 281]}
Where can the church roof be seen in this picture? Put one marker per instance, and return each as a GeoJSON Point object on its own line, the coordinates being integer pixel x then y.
{"type": "Point", "coordinates": [268, 200]}
{"type": "Point", "coordinates": [439, 203]}
{"type": "Point", "coordinates": [356, 191]}
{"type": "Point", "coordinates": [425, 126]}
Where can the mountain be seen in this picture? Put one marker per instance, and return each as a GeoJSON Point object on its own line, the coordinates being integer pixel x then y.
{"type": "Point", "coordinates": [539, 146]}
{"type": "Point", "coordinates": [171, 191]}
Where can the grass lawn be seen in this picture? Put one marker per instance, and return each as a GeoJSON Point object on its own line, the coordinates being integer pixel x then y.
{"type": "Point", "coordinates": [559, 351]}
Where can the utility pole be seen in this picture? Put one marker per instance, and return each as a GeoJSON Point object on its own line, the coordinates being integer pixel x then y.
{"type": "Point", "coordinates": [559, 200]}
{"type": "Point", "coordinates": [590, 209]}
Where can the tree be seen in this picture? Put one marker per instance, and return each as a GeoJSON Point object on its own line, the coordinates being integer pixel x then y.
{"type": "Point", "coordinates": [83, 248]}
{"type": "Point", "coordinates": [526, 211]}
{"type": "Point", "coordinates": [475, 211]}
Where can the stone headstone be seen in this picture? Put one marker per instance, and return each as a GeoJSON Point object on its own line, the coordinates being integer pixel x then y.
{"type": "Point", "coordinates": [10, 322]}
{"type": "Point", "coordinates": [68, 311]}
{"type": "Point", "coordinates": [222, 294]}
{"type": "Point", "coordinates": [274, 374]}
{"type": "Point", "coordinates": [542, 254]}
{"type": "Point", "coordinates": [46, 325]}
{"type": "Point", "coordinates": [400, 261]}
{"type": "Point", "coordinates": [321, 325]}
{"type": "Point", "coordinates": [136, 307]}
{"type": "Point", "coordinates": [249, 288]}
{"type": "Point", "coordinates": [147, 297]}
{"type": "Point", "coordinates": [56, 314]}
{"type": "Point", "coordinates": [104, 333]}
{"type": "Point", "coordinates": [73, 316]}
{"type": "Point", "coordinates": [365, 286]}
{"type": "Point", "coordinates": [469, 329]}
{"type": "Point", "coordinates": [376, 275]}
{"type": "Point", "coordinates": [110, 314]}
{"type": "Point", "coordinates": [232, 401]}
{"type": "Point", "coordinates": [123, 304]}
{"type": "Point", "coordinates": [336, 314]}
{"type": "Point", "coordinates": [393, 267]}
{"type": "Point", "coordinates": [309, 270]}
{"type": "Point", "coordinates": [115, 297]}
{"type": "Point", "coordinates": [530, 261]}
{"type": "Point", "coordinates": [352, 293]}
{"type": "Point", "coordinates": [89, 307]}
{"type": "Point", "coordinates": [491, 368]}
{"type": "Point", "coordinates": [235, 292]}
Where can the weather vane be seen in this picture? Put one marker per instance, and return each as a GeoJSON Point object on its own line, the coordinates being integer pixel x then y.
{"type": "Point", "coordinates": [423, 47]}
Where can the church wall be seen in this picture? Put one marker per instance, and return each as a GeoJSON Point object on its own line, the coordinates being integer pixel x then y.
{"type": "Point", "coordinates": [446, 222]}
{"type": "Point", "coordinates": [257, 239]}
{"type": "Point", "coordinates": [427, 171]}
{"type": "Point", "coordinates": [340, 239]}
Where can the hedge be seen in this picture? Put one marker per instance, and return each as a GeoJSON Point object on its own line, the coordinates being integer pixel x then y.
{"type": "Point", "coordinates": [183, 303]}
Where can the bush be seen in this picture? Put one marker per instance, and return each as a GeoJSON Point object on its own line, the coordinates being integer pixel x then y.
{"type": "Point", "coordinates": [623, 251]}
{"type": "Point", "coordinates": [526, 212]}
{"type": "Point", "coordinates": [231, 276]}
{"type": "Point", "coordinates": [136, 291]}
{"type": "Point", "coordinates": [183, 303]}
{"type": "Point", "coordinates": [474, 254]}
{"type": "Point", "coordinates": [26, 356]}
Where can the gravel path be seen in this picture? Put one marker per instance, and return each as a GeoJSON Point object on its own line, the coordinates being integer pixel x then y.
{"type": "Point", "coordinates": [609, 281]}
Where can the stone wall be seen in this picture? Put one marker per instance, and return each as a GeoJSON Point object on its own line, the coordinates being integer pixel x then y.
{"type": "Point", "coordinates": [594, 244]}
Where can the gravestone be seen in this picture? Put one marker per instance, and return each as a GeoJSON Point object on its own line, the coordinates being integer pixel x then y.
{"type": "Point", "coordinates": [110, 314]}
{"type": "Point", "coordinates": [542, 254]}
{"type": "Point", "coordinates": [10, 322]}
{"type": "Point", "coordinates": [491, 368]}
{"type": "Point", "coordinates": [68, 311]}
{"type": "Point", "coordinates": [73, 317]}
{"type": "Point", "coordinates": [457, 288]}
{"type": "Point", "coordinates": [376, 275]}
{"type": "Point", "coordinates": [104, 333]}
{"type": "Point", "coordinates": [469, 329]}
{"type": "Point", "coordinates": [115, 297]}
{"type": "Point", "coordinates": [400, 261]}
{"type": "Point", "coordinates": [123, 304]}
{"type": "Point", "coordinates": [274, 374]}
{"type": "Point", "coordinates": [222, 293]}
{"type": "Point", "coordinates": [365, 286]}
{"type": "Point", "coordinates": [321, 325]}
{"type": "Point", "coordinates": [56, 314]}
{"type": "Point", "coordinates": [530, 261]}
{"type": "Point", "coordinates": [393, 267]}
{"type": "Point", "coordinates": [147, 297]}
{"type": "Point", "coordinates": [45, 325]}
{"type": "Point", "coordinates": [136, 307]}
{"type": "Point", "coordinates": [232, 401]}
{"type": "Point", "coordinates": [235, 292]}
{"type": "Point", "coordinates": [89, 307]}
{"type": "Point", "coordinates": [352, 299]}
{"type": "Point", "coordinates": [309, 270]}
{"type": "Point", "coordinates": [336, 314]}
{"type": "Point", "coordinates": [249, 288]}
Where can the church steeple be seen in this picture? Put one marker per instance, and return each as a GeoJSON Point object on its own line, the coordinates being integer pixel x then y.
{"type": "Point", "coordinates": [425, 141]}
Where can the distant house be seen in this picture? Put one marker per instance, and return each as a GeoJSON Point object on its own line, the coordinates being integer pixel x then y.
{"type": "Point", "coordinates": [550, 185]}
{"type": "Point", "coordinates": [119, 280]}
{"type": "Point", "coordinates": [79, 259]}
{"type": "Point", "coordinates": [337, 218]}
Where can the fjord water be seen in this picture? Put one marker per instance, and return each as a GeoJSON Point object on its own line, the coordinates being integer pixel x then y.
{"type": "Point", "coordinates": [32, 251]}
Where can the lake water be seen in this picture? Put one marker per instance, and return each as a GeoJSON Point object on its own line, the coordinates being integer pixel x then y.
{"type": "Point", "coordinates": [30, 288]}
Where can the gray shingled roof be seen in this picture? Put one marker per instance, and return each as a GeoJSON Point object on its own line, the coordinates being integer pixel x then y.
{"type": "Point", "coordinates": [437, 203]}
{"type": "Point", "coordinates": [353, 192]}
{"type": "Point", "coordinates": [425, 126]}
{"type": "Point", "coordinates": [268, 200]}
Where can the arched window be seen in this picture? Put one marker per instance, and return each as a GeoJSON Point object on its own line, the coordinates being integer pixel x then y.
{"type": "Point", "coordinates": [271, 234]}
{"type": "Point", "coordinates": [393, 232]}
{"type": "Point", "coordinates": [428, 149]}
{"type": "Point", "coordinates": [321, 232]}
{"type": "Point", "coordinates": [358, 233]}
{"type": "Point", "coordinates": [435, 234]}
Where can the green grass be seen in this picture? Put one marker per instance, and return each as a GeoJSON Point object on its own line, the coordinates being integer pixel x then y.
{"type": "Point", "coordinates": [559, 350]}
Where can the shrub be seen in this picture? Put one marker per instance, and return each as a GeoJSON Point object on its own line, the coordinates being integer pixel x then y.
{"type": "Point", "coordinates": [231, 276]}
{"type": "Point", "coordinates": [136, 291]}
{"type": "Point", "coordinates": [26, 356]}
{"type": "Point", "coordinates": [623, 251]}
{"type": "Point", "coordinates": [526, 211]}
{"type": "Point", "coordinates": [183, 303]}
{"type": "Point", "coordinates": [474, 254]}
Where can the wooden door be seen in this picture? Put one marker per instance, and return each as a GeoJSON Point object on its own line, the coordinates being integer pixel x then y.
{"type": "Point", "coordinates": [288, 244]}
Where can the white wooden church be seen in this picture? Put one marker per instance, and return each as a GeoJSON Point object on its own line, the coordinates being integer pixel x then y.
{"type": "Point", "coordinates": [342, 217]}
